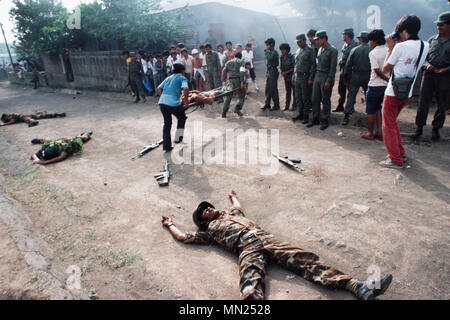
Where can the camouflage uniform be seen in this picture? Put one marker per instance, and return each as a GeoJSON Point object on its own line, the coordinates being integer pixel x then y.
{"type": "Point", "coordinates": [326, 72]}
{"type": "Point", "coordinates": [342, 79]}
{"type": "Point", "coordinates": [288, 63]}
{"type": "Point", "coordinates": [357, 69]}
{"type": "Point", "coordinates": [30, 119]}
{"type": "Point", "coordinates": [213, 64]}
{"type": "Point", "coordinates": [305, 69]}
{"type": "Point", "coordinates": [256, 248]}
{"type": "Point", "coordinates": [272, 61]}
{"type": "Point", "coordinates": [236, 72]}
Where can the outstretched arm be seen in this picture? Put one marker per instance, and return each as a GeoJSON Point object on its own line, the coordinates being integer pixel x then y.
{"type": "Point", "coordinates": [36, 160]}
{"type": "Point", "coordinates": [7, 123]}
{"type": "Point", "coordinates": [234, 199]}
{"type": "Point", "coordinates": [168, 222]}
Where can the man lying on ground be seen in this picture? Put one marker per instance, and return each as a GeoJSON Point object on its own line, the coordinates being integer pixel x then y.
{"type": "Point", "coordinates": [256, 248]}
{"type": "Point", "coordinates": [58, 150]}
{"type": "Point", "coordinates": [31, 119]}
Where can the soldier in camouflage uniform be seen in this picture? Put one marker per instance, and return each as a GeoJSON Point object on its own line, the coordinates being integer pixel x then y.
{"type": "Point", "coordinates": [235, 69]}
{"type": "Point", "coordinates": [30, 119]}
{"type": "Point", "coordinates": [305, 69]}
{"type": "Point", "coordinates": [358, 70]}
{"type": "Point", "coordinates": [287, 65]}
{"type": "Point", "coordinates": [58, 150]}
{"type": "Point", "coordinates": [135, 73]}
{"type": "Point", "coordinates": [272, 61]}
{"type": "Point", "coordinates": [256, 248]}
{"type": "Point", "coordinates": [347, 37]}
{"type": "Point", "coordinates": [323, 81]}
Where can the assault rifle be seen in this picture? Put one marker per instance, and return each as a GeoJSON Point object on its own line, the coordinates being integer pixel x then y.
{"type": "Point", "coordinates": [164, 176]}
{"type": "Point", "coordinates": [147, 149]}
{"type": "Point", "coordinates": [289, 162]}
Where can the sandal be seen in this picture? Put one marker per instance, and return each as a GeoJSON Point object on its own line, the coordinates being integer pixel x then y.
{"type": "Point", "coordinates": [367, 137]}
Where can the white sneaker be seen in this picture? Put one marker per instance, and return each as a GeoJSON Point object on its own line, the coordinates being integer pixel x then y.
{"type": "Point", "coordinates": [388, 163]}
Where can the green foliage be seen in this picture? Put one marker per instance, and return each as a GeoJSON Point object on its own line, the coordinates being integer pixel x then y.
{"type": "Point", "coordinates": [135, 24]}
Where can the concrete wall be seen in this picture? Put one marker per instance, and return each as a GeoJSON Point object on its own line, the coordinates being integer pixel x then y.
{"type": "Point", "coordinates": [95, 70]}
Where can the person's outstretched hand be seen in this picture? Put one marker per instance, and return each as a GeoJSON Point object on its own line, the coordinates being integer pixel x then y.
{"type": "Point", "coordinates": [232, 194]}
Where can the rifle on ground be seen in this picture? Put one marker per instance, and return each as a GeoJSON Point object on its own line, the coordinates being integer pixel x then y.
{"type": "Point", "coordinates": [147, 149]}
{"type": "Point", "coordinates": [164, 176]}
{"type": "Point", "coordinates": [289, 162]}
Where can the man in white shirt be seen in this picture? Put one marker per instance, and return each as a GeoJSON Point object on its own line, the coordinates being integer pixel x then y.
{"type": "Point", "coordinates": [248, 56]}
{"type": "Point", "coordinates": [401, 59]}
{"type": "Point", "coordinates": [377, 84]}
{"type": "Point", "coordinates": [187, 62]}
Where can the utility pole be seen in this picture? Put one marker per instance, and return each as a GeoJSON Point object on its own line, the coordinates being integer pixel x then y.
{"type": "Point", "coordinates": [7, 47]}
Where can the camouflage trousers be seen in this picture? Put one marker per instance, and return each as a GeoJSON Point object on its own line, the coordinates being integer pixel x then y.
{"type": "Point", "coordinates": [29, 118]}
{"type": "Point", "coordinates": [262, 248]}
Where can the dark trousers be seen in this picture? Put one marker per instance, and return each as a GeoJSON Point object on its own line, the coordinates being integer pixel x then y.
{"type": "Point", "coordinates": [342, 89]}
{"type": "Point", "coordinates": [272, 89]}
{"type": "Point", "coordinates": [167, 113]}
{"type": "Point", "coordinates": [431, 84]}
{"type": "Point", "coordinates": [290, 91]}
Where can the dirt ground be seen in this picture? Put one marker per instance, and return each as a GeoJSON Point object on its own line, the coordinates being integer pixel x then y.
{"type": "Point", "coordinates": [99, 213]}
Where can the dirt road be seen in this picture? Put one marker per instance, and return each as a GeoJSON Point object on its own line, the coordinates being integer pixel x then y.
{"type": "Point", "coordinates": [96, 216]}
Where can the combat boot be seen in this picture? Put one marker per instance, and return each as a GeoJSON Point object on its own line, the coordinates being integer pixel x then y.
{"type": "Point", "coordinates": [366, 290]}
{"type": "Point", "coordinates": [299, 117]}
{"type": "Point", "coordinates": [435, 136]}
{"type": "Point", "coordinates": [33, 123]}
{"type": "Point", "coordinates": [324, 126]}
{"type": "Point", "coordinates": [265, 108]}
{"type": "Point", "coordinates": [312, 123]}
{"type": "Point", "coordinates": [418, 133]}
{"type": "Point", "coordinates": [305, 119]}
{"type": "Point", "coordinates": [62, 115]}
{"type": "Point", "coordinates": [339, 108]}
{"type": "Point", "coordinates": [275, 108]}
{"type": "Point", "coordinates": [346, 120]}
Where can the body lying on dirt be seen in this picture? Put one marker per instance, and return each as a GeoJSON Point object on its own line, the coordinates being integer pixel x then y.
{"type": "Point", "coordinates": [256, 248]}
{"type": "Point", "coordinates": [58, 150]}
{"type": "Point", "coordinates": [197, 98]}
{"type": "Point", "coordinates": [31, 119]}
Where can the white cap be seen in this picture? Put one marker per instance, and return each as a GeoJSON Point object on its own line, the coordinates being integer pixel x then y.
{"type": "Point", "coordinates": [194, 51]}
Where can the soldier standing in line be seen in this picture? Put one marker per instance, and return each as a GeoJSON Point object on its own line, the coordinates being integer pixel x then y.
{"type": "Point", "coordinates": [256, 248]}
{"type": "Point", "coordinates": [30, 119]}
{"type": "Point", "coordinates": [135, 73]}
{"type": "Point", "coordinates": [311, 35]}
{"type": "Point", "coordinates": [235, 69]}
{"type": "Point", "coordinates": [272, 62]}
{"type": "Point", "coordinates": [305, 69]}
{"type": "Point", "coordinates": [436, 79]}
{"type": "Point", "coordinates": [357, 70]}
{"type": "Point", "coordinates": [287, 65]}
{"type": "Point", "coordinates": [347, 37]}
{"type": "Point", "coordinates": [323, 81]}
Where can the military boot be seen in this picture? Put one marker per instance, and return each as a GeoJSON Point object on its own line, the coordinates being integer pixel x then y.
{"type": "Point", "coordinates": [33, 123]}
{"type": "Point", "coordinates": [435, 136]}
{"type": "Point", "coordinates": [265, 108]}
{"type": "Point", "coordinates": [276, 108]}
{"type": "Point", "coordinates": [339, 108]}
{"type": "Point", "coordinates": [346, 120]}
{"type": "Point", "coordinates": [367, 290]}
{"type": "Point", "coordinates": [305, 119]}
{"type": "Point", "coordinates": [298, 118]}
{"type": "Point", "coordinates": [313, 122]}
{"type": "Point", "coordinates": [418, 133]}
{"type": "Point", "coordinates": [62, 115]}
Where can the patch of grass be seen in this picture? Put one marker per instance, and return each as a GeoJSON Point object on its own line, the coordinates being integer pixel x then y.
{"type": "Point", "coordinates": [116, 258]}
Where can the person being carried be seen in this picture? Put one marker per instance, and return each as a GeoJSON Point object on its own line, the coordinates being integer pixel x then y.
{"type": "Point", "coordinates": [30, 119]}
{"type": "Point", "coordinates": [256, 248]}
{"type": "Point", "coordinates": [58, 150]}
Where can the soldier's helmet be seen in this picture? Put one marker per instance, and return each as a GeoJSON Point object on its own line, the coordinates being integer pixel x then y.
{"type": "Point", "coordinates": [198, 212]}
{"type": "Point", "coordinates": [270, 42]}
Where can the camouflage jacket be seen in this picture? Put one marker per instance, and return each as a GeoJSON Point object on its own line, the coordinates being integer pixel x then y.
{"type": "Point", "coordinates": [226, 231]}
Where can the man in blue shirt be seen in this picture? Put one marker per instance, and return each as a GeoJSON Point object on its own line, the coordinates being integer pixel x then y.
{"type": "Point", "coordinates": [170, 91]}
